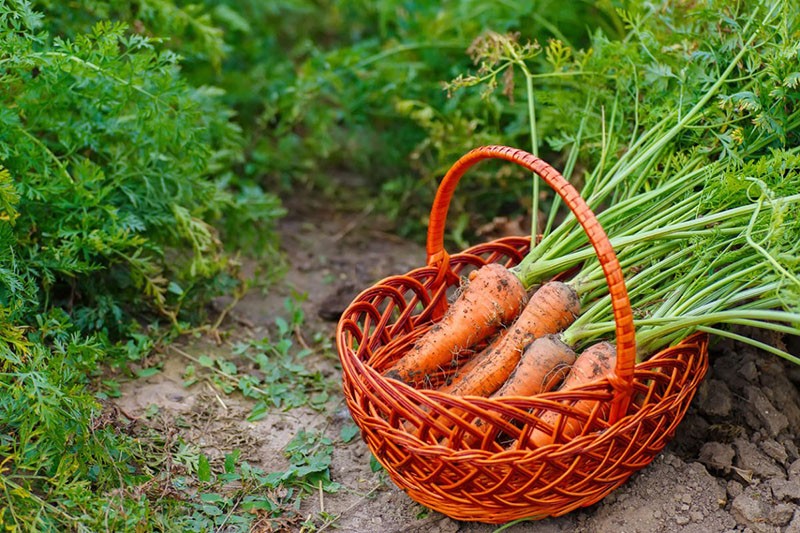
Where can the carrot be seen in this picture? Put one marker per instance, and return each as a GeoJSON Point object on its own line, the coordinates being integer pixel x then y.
{"type": "Point", "coordinates": [493, 297]}
{"type": "Point", "coordinates": [543, 365]}
{"type": "Point", "coordinates": [551, 308]}
{"type": "Point", "coordinates": [472, 363]}
{"type": "Point", "coordinates": [541, 368]}
{"type": "Point", "coordinates": [594, 363]}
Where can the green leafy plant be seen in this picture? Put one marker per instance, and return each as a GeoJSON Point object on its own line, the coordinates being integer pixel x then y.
{"type": "Point", "coordinates": [274, 370]}
{"type": "Point", "coordinates": [265, 498]}
{"type": "Point", "coordinates": [721, 198]}
{"type": "Point", "coordinates": [139, 142]}
{"type": "Point", "coordinates": [360, 87]}
{"type": "Point", "coordinates": [115, 170]}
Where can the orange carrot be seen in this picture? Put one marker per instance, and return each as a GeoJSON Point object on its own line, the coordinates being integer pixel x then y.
{"type": "Point", "coordinates": [594, 363]}
{"type": "Point", "coordinates": [543, 365]}
{"type": "Point", "coordinates": [493, 297]}
{"type": "Point", "coordinates": [551, 308]}
{"type": "Point", "coordinates": [473, 362]}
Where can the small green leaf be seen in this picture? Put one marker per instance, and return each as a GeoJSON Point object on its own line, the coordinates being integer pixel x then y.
{"type": "Point", "coordinates": [148, 372]}
{"type": "Point", "coordinates": [230, 461]}
{"type": "Point", "coordinates": [792, 80]}
{"type": "Point", "coordinates": [211, 498]}
{"type": "Point", "coordinates": [189, 376]}
{"type": "Point", "coordinates": [206, 361]}
{"type": "Point", "coordinates": [211, 510]}
{"type": "Point", "coordinates": [203, 469]}
{"type": "Point", "coordinates": [263, 504]}
{"type": "Point", "coordinates": [318, 400]}
{"type": "Point", "coordinates": [283, 326]}
{"type": "Point", "coordinates": [226, 366]}
{"type": "Point", "coordinates": [174, 288]}
{"type": "Point", "coordinates": [374, 465]}
{"type": "Point", "coordinates": [259, 411]}
{"type": "Point", "coordinates": [348, 432]}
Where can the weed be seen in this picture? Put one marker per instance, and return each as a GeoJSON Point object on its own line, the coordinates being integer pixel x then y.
{"type": "Point", "coordinates": [273, 371]}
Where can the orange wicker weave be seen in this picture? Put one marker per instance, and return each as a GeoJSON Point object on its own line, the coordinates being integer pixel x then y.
{"type": "Point", "coordinates": [429, 442]}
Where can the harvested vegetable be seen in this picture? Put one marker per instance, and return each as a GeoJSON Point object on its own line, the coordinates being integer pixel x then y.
{"type": "Point", "coordinates": [594, 363]}
{"type": "Point", "coordinates": [542, 367]}
{"type": "Point", "coordinates": [551, 308]}
{"type": "Point", "coordinates": [493, 297]}
{"type": "Point", "coordinates": [704, 236]}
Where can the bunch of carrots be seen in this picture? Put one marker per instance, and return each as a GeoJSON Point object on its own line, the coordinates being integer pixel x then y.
{"type": "Point", "coordinates": [739, 271]}
{"type": "Point", "coordinates": [703, 243]}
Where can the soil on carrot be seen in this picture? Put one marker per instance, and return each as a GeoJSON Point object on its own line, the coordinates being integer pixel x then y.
{"type": "Point", "coordinates": [734, 464]}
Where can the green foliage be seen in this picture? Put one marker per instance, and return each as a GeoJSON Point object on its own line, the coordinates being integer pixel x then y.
{"type": "Point", "coordinates": [137, 139]}
{"type": "Point", "coordinates": [650, 84]}
{"type": "Point", "coordinates": [100, 472]}
{"type": "Point", "coordinates": [121, 154]}
{"type": "Point", "coordinates": [357, 86]}
{"type": "Point", "coordinates": [422, 128]}
{"type": "Point", "coordinates": [692, 111]}
{"type": "Point", "coordinates": [274, 371]}
{"type": "Point", "coordinates": [117, 172]}
{"type": "Point", "coordinates": [266, 499]}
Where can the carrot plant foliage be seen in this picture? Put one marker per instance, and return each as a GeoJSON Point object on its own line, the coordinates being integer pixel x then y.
{"type": "Point", "coordinates": [117, 172]}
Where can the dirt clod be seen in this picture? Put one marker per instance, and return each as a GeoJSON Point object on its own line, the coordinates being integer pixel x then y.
{"type": "Point", "coordinates": [716, 399]}
{"type": "Point", "coordinates": [785, 490]}
{"type": "Point", "coordinates": [794, 525]}
{"type": "Point", "coordinates": [773, 420]}
{"type": "Point", "coordinates": [734, 488]}
{"type": "Point", "coordinates": [775, 450]}
{"type": "Point", "coordinates": [751, 459]}
{"type": "Point", "coordinates": [750, 510]}
{"type": "Point", "coordinates": [791, 448]}
{"type": "Point", "coordinates": [794, 469]}
{"type": "Point", "coordinates": [781, 514]}
{"type": "Point", "coordinates": [717, 456]}
{"type": "Point", "coordinates": [749, 371]}
{"type": "Point", "coordinates": [781, 392]}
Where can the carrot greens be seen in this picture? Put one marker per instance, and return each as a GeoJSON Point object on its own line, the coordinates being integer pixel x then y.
{"type": "Point", "coordinates": [693, 176]}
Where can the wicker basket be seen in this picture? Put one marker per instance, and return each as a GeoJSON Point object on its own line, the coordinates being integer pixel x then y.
{"type": "Point", "coordinates": [429, 442]}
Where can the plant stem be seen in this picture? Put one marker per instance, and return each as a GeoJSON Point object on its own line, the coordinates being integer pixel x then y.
{"type": "Point", "coordinates": [703, 225]}
{"type": "Point", "coordinates": [534, 151]}
{"type": "Point", "coordinates": [758, 344]}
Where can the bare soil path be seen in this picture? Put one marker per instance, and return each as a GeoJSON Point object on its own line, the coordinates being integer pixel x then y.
{"type": "Point", "coordinates": [734, 465]}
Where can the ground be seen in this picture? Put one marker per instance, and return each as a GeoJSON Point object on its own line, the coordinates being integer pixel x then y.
{"type": "Point", "coordinates": [734, 465]}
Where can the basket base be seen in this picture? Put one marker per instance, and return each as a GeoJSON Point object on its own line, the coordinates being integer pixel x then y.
{"type": "Point", "coordinates": [475, 484]}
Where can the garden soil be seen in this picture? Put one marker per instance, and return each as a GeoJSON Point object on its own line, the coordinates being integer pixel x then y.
{"type": "Point", "coordinates": [733, 466]}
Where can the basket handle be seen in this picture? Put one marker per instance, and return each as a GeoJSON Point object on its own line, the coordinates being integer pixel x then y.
{"type": "Point", "coordinates": [622, 377]}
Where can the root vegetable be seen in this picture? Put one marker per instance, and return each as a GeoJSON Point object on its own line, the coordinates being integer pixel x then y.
{"type": "Point", "coordinates": [541, 368]}
{"type": "Point", "coordinates": [594, 363]}
{"type": "Point", "coordinates": [551, 308]}
{"type": "Point", "coordinates": [493, 297]}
